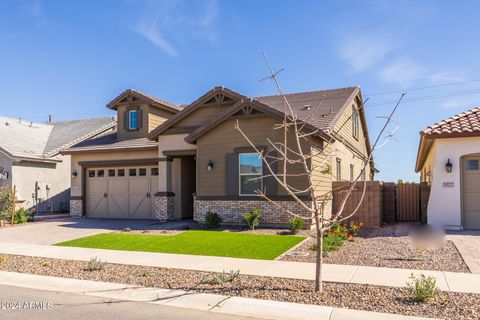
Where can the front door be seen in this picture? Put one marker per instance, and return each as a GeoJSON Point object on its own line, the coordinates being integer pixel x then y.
{"type": "Point", "coordinates": [471, 192]}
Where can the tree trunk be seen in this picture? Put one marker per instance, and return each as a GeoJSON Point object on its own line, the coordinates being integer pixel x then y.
{"type": "Point", "coordinates": [318, 265]}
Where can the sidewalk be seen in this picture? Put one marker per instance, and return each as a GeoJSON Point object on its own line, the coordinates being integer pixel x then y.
{"type": "Point", "coordinates": [190, 300]}
{"type": "Point", "coordinates": [392, 277]}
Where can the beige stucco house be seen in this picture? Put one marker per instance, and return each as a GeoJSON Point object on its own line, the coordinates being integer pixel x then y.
{"type": "Point", "coordinates": [172, 162]}
{"type": "Point", "coordinates": [449, 159]}
{"type": "Point", "coordinates": [30, 158]}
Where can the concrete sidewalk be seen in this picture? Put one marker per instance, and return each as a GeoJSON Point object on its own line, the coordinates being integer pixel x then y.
{"type": "Point", "coordinates": [392, 277]}
{"type": "Point", "coordinates": [191, 300]}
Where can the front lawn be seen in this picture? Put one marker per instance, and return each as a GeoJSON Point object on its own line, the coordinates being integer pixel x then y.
{"type": "Point", "coordinates": [207, 243]}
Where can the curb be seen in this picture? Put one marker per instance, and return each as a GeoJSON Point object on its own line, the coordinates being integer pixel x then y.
{"type": "Point", "coordinates": [190, 300]}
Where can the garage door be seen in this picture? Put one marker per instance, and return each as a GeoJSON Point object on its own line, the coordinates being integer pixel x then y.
{"type": "Point", "coordinates": [471, 192]}
{"type": "Point", "coordinates": [125, 193]}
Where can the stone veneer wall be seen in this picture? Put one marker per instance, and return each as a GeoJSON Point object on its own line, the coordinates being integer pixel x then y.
{"type": "Point", "coordinates": [164, 207]}
{"type": "Point", "coordinates": [232, 211]}
{"type": "Point", "coordinates": [76, 208]}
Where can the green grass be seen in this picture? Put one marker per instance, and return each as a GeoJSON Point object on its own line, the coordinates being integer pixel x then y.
{"type": "Point", "coordinates": [208, 243]}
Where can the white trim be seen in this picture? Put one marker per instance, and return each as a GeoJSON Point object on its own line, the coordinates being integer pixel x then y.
{"type": "Point", "coordinates": [130, 119]}
{"type": "Point", "coordinates": [240, 174]}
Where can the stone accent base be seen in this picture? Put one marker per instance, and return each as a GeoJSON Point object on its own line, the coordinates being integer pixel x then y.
{"type": "Point", "coordinates": [232, 211]}
{"type": "Point", "coordinates": [164, 206]}
{"type": "Point", "coordinates": [76, 208]}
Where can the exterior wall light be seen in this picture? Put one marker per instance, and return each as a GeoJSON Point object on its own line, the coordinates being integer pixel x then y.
{"type": "Point", "coordinates": [74, 173]}
{"type": "Point", "coordinates": [210, 165]}
{"type": "Point", "coordinates": [3, 175]}
{"type": "Point", "coordinates": [448, 166]}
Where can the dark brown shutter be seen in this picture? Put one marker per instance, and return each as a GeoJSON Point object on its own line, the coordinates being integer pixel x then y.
{"type": "Point", "coordinates": [231, 174]}
{"type": "Point", "coordinates": [126, 120]}
{"type": "Point", "coordinates": [269, 183]}
{"type": "Point", "coordinates": [139, 118]}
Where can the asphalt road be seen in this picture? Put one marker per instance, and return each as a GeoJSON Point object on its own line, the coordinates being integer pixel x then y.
{"type": "Point", "coordinates": [39, 305]}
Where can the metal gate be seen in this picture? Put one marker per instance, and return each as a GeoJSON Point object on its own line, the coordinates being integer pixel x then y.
{"type": "Point", "coordinates": [408, 202]}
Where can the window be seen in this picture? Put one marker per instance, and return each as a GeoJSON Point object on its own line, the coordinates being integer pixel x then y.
{"type": "Point", "coordinates": [154, 172]}
{"type": "Point", "coordinates": [111, 172]}
{"type": "Point", "coordinates": [100, 173]}
{"type": "Point", "coordinates": [471, 165]}
{"type": "Point", "coordinates": [132, 172]}
{"type": "Point", "coordinates": [121, 173]}
{"type": "Point", "coordinates": [362, 176]}
{"type": "Point", "coordinates": [132, 119]}
{"type": "Point", "coordinates": [142, 172]}
{"type": "Point", "coordinates": [355, 124]}
{"type": "Point", "coordinates": [339, 169]}
{"type": "Point", "coordinates": [250, 173]}
{"type": "Point", "coordinates": [91, 173]}
{"type": "Point", "coordinates": [352, 173]}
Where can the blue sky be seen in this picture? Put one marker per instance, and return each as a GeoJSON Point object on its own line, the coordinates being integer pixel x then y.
{"type": "Point", "coordinates": [69, 58]}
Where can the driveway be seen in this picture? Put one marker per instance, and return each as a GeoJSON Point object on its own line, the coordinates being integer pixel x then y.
{"type": "Point", "coordinates": [58, 230]}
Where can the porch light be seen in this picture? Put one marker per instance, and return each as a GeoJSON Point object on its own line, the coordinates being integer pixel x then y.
{"type": "Point", "coordinates": [4, 175]}
{"type": "Point", "coordinates": [74, 173]}
{"type": "Point", "coordinates": [448, 166]}
{"type": "Point", "coordinates": [210, 165]}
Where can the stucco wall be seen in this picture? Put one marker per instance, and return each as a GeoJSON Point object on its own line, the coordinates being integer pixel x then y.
{"type": "Point", "coordinates": [57, 176]}
{"type": "Point", "coordinates": [444, 206]}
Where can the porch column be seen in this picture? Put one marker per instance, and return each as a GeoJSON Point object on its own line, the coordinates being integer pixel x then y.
{"type": "Point", "coordinates": [164, 198]}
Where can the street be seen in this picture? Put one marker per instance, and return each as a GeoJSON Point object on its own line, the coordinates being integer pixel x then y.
{"type": "Point", "coordinates": [48, 305]}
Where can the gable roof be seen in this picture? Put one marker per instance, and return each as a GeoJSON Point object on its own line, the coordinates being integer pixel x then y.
{"type": "Point", "coordinates": [192, 107]}
{"type": "Point", "coordinates": [130, 93]}
{"type": "Point", "coordinates": [465, 124]}
{"type": "Point", "coordinates": [39, 141]}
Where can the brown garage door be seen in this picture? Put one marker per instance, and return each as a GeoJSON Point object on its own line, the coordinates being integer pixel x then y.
{"type": "Point", "coordinates": [126, 193]}
{"type": "Point", "coordinates": [471, 192]}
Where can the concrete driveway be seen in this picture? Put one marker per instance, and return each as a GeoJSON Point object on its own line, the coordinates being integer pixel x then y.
{"type": "Point", "coordinates": [58, 230]}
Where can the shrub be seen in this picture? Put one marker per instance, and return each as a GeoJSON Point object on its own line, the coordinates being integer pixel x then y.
{"type": "Point", "coordinates": [2, 258]}
{"type": "Point", "coordinates": [6, 202]}
{"type": "Point", "coordinates": [220, 278]}
{"type": "Point", "coordinates": [296, 224]}
{"type": "Point", "coordinates": [252, 218]}
{"type": "Point", "coordinates": [47, 263]}
{"type": "Point", "coordinates": [212, 219]}
{"type": "Point", "coordinates": [422, 288]}
{"type": "Point", "coordinates": [23, 215]}
{"type": "Point", "coordinates": [147, 274]}
{"type": "Point", "coordinates": [95, 264]}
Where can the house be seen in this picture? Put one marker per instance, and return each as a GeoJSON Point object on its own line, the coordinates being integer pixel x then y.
{"type": "Point", "coordinates": [171, 162]}
{"type": "Point", "coordinates": [30, 158]}
{"type": "Point", "coordinates": [449, 159]}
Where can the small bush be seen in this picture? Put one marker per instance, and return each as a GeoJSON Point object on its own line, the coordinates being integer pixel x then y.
{"type": "Point", "coordinates": [95, 264]}
{"type": "Point", "coordinates": [2, 259]}
{"type": "Point", "coordinates": [212, 220]}
{"type": "Point", "coordinates": [147, 274]}
{"type": "Point", "coordinates": [47, 263]}
{"type": "Point", "coordinates": [6, 202]}
{"type": "Point", "coordinates": [422, 288]}
{"type": "Point", "coordinates": [252, 218]}
{"type": "Point", "coordinates": [296, 224]}
{"type": "Point", "coordinates": [220, 278]}
{"type": "Point", "coordinates": [23, 215]}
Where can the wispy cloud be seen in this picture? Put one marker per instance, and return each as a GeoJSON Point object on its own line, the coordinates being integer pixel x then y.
{"type": "Point", "coordinates": [402, 70]}
{"type": "Point", "coordinates": [167, 24]}
{"type": "Point", "coordinates": [35, 9]}
{"type": "Point", "coordinates": [362, 51]}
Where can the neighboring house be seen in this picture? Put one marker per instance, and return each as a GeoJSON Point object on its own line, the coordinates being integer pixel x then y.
{"type": "Point", "coordinates": [30, 158]}
{"type": "Point", "coordinates": [449, 159]}
{"type": "Point", "coordinates": [168, 162]}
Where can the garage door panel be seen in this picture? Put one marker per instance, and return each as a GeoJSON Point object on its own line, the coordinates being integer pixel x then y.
{"type": "Point", "coordinates": [471, 192]}
{"type": "Point", "coordinates": [138, 185]}
{"type": "Point", "coordinates": [96, 206]}
{"type": "Point", "coordinates": [138, 206]}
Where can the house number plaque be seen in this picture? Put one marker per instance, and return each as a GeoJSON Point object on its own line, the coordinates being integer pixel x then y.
{"type": "Point", "coordinates": [448, 184]}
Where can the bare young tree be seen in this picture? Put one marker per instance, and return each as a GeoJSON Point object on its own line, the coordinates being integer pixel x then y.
{"type": "Point", "coordinates": [287, 154]}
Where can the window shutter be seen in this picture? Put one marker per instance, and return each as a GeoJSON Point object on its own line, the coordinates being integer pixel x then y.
{"type": "Point", "coordinates": [269, 183]}
{"type": "Point", "coordinates": [232, 174]}
{"type": "Point", "coordinates": [139, 118]}
{"type": "Point", "coordinates": [126, 120]}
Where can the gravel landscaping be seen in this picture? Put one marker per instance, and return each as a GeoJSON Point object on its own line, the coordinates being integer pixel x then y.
{"type": "Point", "coordinates": [381, 247]}
{"type": "Point", "coordinates": [446, 305]}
